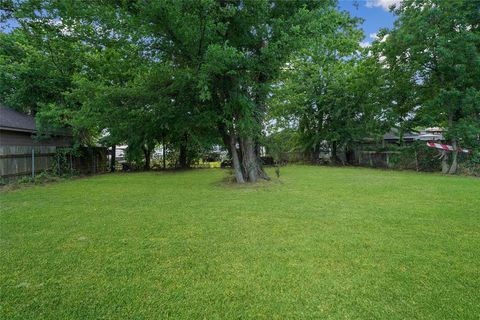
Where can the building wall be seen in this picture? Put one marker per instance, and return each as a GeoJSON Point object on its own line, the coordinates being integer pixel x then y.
{"type": "Point", "coordinates": [15, 138]}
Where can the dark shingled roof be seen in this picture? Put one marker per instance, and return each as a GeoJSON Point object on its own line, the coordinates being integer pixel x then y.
{"type": "Point", "coordinates": [16, 121]}
{"type": "Point", "coordinates": [394, 135]}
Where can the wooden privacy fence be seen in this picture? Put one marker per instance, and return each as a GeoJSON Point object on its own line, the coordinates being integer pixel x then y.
{"type": "Point", "coordinates": [87, 160]}
{"type": "Point", "coordinates": [25, 160]}
{"type": "Point", "coordinates": [17, 161]}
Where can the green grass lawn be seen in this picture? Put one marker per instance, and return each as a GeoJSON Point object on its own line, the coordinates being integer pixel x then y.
{"type": "Point", "coordinates": [330, 243]}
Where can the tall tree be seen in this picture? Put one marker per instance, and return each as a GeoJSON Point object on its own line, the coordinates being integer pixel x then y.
{"type": "Point", "coordinates": [327, 92]}
{"type": "Point", "coordinates": [436, 45]}
{"type": "Point", "coordinates": [218, 61]}
{"type": "Point", "coordinates": [236, 49]}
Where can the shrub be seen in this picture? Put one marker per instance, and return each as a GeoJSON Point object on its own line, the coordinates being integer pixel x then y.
{"type": "Point", "coordinates": [46, 176]}
{"type": "Point", "coordinates": [24, 180]}
{"type": "Point", "coordinates": [471, 166]}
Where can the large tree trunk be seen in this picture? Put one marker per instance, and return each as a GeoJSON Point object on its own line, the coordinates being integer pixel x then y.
{"type": "Point", "coordinates": [444, 158]}
{"type": "Point", "coordinates": [249, 159]}
{"type": "Point", "coordinates": [247, 165]}
{"type": "Point", "coordinates": [237, 168]}
{"type": "Point", "coordinates": [245, 159]}
{"type": "Point", "coordinates": [454, 165]}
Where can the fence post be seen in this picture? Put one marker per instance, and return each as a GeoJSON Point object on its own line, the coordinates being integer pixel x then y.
{"type": "Point", "coordinates": [33, 163]}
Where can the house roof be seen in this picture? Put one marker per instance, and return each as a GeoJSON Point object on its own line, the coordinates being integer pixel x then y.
{"type": "Point", "coordinates": [16, 121]}
{"type": "Point", "coordinates": [394, 135]}
{"type": "Point", "coordinates": [12, 120]}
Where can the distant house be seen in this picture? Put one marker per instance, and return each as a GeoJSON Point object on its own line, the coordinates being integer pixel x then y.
{"type": "Point", "coordinates": [121, 153]}
{"type": "Point", "coordinates": [393, 136]}
{"type": "Point", "coordinates": [428, 134]}
{"type": "Point", "coordinates": [24, 152]}
{"type": "Point", "coordinates": [19, 129]}
{"type": "Point", "coordinates": [432, 134]}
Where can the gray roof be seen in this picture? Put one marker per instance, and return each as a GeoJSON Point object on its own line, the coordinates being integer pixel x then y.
{"type": "Point", "coordinates": [16, 121]}
{"type": "Point", "coordinates": [393, 134]}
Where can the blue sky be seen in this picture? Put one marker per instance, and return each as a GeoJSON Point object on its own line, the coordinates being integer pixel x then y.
{"type": "Point", "coordinates": [374, 12]}
{"type": "Point", "coordinates": [7, 26]}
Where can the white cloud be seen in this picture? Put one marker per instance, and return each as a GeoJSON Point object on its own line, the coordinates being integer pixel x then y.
{"type": "Point", "coordinates": [375, 36]}
{"type": "Point", "coordinates": [365, 44]}
{"type": "Point", "coordinates": [384, 4]}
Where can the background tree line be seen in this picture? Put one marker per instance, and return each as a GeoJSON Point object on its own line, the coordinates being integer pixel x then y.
{"type": "Point", "coordinates": [241, 73]}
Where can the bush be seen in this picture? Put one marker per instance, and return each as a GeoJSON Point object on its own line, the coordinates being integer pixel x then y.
{"type": "Point", "coordinates": [416, 156]}
{"type": "Point", "coordinates": [61, 164]}
{"type": "Point", "coordinates": [226, 164]}
{"type": "Point", "coordinates": [24, 180]}
{"type": "Point", "coordinates": [45, 176]}
{"type": "Point", "coordinates": [267, 160]}
{"type": "Point", "coordinates": [471, 166]}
